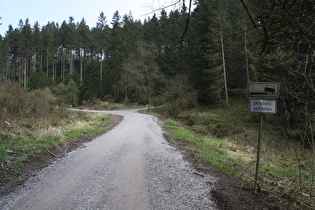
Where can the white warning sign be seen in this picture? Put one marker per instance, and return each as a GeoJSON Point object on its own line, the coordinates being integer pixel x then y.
{"type": "Point", "coordinates": [263, 106]}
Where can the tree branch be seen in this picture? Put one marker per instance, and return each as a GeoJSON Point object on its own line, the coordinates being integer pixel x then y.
{"type": "Point", "coordinates": [187, 23]}
{"type": "Point", "coordinates": [249, 15]}
{"type": "Point", "coordinates": [153, 11]}
{"type": "Point", "coordinates": [52, 154]}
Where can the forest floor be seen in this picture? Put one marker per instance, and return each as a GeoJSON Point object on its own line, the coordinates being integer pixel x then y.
{"type": "Point", "coordinates": [227, 194]}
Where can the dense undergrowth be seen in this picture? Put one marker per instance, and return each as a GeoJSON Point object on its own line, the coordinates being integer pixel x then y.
{"type": "Point", "coordinates": [226, 137]}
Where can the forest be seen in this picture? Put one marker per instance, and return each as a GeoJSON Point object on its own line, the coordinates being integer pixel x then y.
{"type": "Point", "coordinates": [186, 58]}
{"type": "Point", "coordinates": [194, 62]}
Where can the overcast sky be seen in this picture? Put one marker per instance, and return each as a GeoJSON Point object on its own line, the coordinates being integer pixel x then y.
{"type": "Point", "coordinates": [43, 11]}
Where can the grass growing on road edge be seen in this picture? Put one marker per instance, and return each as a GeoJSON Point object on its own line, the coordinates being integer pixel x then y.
{"type": "Point", "coordinates": [285, 170]}
{"type": "Point", "coordinates": [210, 149]}
{"type": "Point", "coordinates": [15, 150]}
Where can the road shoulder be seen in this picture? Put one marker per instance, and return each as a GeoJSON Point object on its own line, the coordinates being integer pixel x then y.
{"type": "Point", "coordinates": [48, 156]}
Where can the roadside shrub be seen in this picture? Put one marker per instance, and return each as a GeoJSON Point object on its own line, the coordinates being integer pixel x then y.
{"type": "Point", "coordinates": [39, 80]}
{"type": "Point", "coordinates": [67, 94]}
{"type": "Point", "coordinates": [22, 108]}
{"type": "Point", "coordinates": [40, 109]}
{"type": "Point", "coordinates": [135, 97]}
{"type": "Point", "coordinates": [13, 102]}
{"type": "Point", "coordinates": [178, 95]}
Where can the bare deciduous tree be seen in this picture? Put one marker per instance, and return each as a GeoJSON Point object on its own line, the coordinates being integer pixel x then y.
{"type": "Point", "coordinates": [178, 94]}
{"type": "Point", "coordinates": [141, 72]}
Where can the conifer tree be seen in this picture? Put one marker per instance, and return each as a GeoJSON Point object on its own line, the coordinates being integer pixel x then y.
{"type": "Point", "coordinates": [83, 43]}
{"type": "Point", "coordinates": [101, 36]}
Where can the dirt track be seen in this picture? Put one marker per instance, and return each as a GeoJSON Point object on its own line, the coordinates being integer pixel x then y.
{"type": "Point", "coordinates": [130, 167]}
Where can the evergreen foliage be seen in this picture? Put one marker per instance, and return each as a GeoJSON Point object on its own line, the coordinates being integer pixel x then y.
{"type": "Point", "coordinates": [67, 94]}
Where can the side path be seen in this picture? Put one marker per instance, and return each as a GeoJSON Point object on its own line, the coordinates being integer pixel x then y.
{"type": "Point", "coordinates": [130, 167]}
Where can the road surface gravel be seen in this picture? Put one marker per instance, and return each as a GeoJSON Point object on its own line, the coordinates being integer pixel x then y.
{"type": "Point", "coordinates": [130, 167]}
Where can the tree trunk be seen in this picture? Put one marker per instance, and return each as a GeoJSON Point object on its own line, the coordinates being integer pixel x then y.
{"type": "Point", "coordinates": [84, 70]}
{"type": "Point", "coordinates": [126, 96]}
{"type": "Point", "coordinates": [25, 71]}
{"type": "Point", "coordinates": [71, 62]}
{"type": "Point", "coordinates": [63, 66]}
{"type": "Point", "coordinates": [246, 51]}
{"type": "Point", "coordinates": [7, 72]}
{"type": "Point", "coordinates": [223, 63]}
{"type": "Point", "coordinates": [34, 62]}
{"type": "Point", "coordinates": [20, 69]}
{"type": "Point", "coordinates": [47, 63]}
{"type": "Point", "coordinates": [101, 67]}
{"type": "Point", "coordinates": [41, 59]}
{"type": "Point", "coordinates": [81, 67]}
{"type": "Point", "coordinates": [54, 73]}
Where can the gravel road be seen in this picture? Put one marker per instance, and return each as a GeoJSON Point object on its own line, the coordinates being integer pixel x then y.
{"type": "Point", "coordinates": [130, 167]}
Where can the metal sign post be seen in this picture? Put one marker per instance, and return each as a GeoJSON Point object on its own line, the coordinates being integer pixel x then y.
{"type": "Point", "coordinates": [259, 146]}
{"type": "Point", "coordinates": [258, 92]}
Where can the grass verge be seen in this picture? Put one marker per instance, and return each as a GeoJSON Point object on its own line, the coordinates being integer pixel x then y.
{"type": "Point", "coordinates": [15, 150]}
{"type": "Point", "coordinates": [227, 139]}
